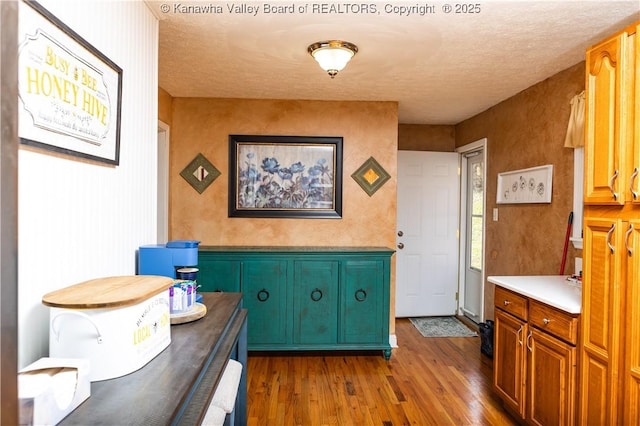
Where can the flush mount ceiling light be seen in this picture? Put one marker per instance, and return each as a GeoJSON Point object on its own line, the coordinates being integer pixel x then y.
{"type": "Point", "coordinates": [332, 55]}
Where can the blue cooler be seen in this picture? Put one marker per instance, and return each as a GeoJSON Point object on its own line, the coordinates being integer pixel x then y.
{"type": "Point", "coordinates": [165, 259]}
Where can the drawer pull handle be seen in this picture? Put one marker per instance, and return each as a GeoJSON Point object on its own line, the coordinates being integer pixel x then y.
{"type": "Point", "coordinates": [611, 182]}
{"type": "Point", "coordinates": [626, 240]}
{"type": "Point", "coordinates": [611, 247]}
{"type": "Point", "coordinates": [506, 302]}
{"type": "Point", "coordinates": [518, 335]}
{"type": "Point", "coordinates": [546, 321]}
{"type": "Point", "coordinates": [361, 295]}
{"type": "Point", "coordinates": [631, 180]}
{"type": "Point", "coordinates": [263, 295]}
{"type": "Point", "coordinates": [316, 295]}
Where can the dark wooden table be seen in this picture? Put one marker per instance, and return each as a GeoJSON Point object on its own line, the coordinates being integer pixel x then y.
{"type": "Point", "coordinates": [176, 386]}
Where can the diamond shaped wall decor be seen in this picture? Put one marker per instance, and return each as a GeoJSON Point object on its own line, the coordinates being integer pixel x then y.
{"type": "Point", "coordinates": [371, 176]}
{"type": "Point", "coordinates": [200, 173]}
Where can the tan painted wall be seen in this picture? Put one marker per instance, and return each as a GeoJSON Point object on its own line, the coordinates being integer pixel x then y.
{"type": "Point", "coordinates": [422, 137]}
{"type": "Point", "coordinates": [524, 131]}
{"type": "Point", "coordinates": [165, 102]}
{"type": "Point", "coordinates": [203, 126]}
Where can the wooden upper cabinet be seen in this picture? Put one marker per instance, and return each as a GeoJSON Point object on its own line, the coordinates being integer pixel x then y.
{"type": "Point", "coordinates": [609, 120]}
{"type": "Point", "coordinates": [610, 331]}
{"type": "Point", "coordinates": [634, 178]}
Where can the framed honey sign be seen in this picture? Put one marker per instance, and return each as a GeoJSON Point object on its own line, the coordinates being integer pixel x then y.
{"type": "Point", "coordinates": [69, 92]}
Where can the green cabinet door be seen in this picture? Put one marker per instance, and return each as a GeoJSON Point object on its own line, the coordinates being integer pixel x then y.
{"type": "Point", "coordinates": [315, 302]}
{"type": "Point", "coordinates": [364, 310]}
{"type": "Point", "coordinates": [218, 274]}
{"type": "Point", "coordinates": [264, 288]}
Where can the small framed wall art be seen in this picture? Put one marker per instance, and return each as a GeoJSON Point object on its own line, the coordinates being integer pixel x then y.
{"type": "Point", "coordinates": [532, 185]}
{"type": "Point", "coordinates": [371, 176]}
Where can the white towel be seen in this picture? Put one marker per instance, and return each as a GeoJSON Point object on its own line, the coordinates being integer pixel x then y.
{"type": "Point", "coordinates": [215, 416]}
{"type": "Point", "coordinates": [225, 395]}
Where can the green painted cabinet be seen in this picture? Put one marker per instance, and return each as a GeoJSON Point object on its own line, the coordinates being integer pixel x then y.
{"type": "Point", "coordinates": [219, 275]}
{"type": "Point", "coordinates": [315, 302]}
{"type": "Point", "coordinates": [264, 288]}
{"type": "Point", "coordinates": [306, 298]}
{"type": "Point", "coordinates": [363, 294]}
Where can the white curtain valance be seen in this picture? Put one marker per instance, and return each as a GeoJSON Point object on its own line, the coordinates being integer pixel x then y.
{"type": "Point", "coordinates": [575, 129]}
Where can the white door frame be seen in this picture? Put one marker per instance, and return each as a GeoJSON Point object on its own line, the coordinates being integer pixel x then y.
{"type": "Point", "coordinates": [162, 213]}
{"type": "Point", "coordinates": [473, 146]}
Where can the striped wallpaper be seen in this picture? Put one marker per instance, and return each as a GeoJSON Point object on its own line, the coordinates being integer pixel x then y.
{"type": "Point", "coordinates": [80, 220]}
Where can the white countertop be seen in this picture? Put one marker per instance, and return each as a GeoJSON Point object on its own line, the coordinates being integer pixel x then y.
{"type": "Point", "coordinates": [554, 290]}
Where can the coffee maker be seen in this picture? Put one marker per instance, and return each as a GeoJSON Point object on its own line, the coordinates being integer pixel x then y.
{"type": "Point", "coordinates": [166, 259]}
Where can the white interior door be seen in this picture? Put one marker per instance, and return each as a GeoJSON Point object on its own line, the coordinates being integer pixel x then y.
{"type": "Point", "coordinates": [427, 234]}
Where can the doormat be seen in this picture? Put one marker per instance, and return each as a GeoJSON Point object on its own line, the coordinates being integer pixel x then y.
{"type": "Point", "coordinates": [442, 327]}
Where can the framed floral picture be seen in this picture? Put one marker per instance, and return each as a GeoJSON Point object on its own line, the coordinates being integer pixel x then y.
{"type": "Point", "coordinates": [285, 176]}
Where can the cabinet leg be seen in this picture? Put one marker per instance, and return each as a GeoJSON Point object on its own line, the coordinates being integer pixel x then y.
{"type": "Point", "coordinates": [387, 354]}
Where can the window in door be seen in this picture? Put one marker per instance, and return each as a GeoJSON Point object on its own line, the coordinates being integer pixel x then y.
{"type": "Point", "coordinates": [476, 216]}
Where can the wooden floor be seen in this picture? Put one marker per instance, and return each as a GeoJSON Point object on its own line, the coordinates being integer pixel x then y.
{"type": "Point", "coordinates": [428, 381]}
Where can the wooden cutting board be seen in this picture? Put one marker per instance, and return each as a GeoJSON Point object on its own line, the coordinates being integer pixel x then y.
{"type": "Point", "coordinates": [110, 292]}
{"type": "Point", "coordinates": [197, 312]}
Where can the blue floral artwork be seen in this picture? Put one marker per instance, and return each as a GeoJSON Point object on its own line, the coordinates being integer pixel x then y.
{"type": "Point", "coordinates": [285, 176]}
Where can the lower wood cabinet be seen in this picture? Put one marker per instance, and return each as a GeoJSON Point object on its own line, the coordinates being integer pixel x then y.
{"type": "Point", "coordinates": [632, 370]}
{"type": "Point", "coordinates": [305, 298]}
{"type": "Point", "coordinates": [535, 359]}
{"type": "Point", "coordinates": [552, 380]}
{"type": "Point", "coordinates": [509, 361]}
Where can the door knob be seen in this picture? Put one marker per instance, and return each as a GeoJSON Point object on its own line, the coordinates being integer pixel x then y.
{"type": "Point", "coordinates": [400, 233]}
{"type": "Point", "coordinates": [400, 246]}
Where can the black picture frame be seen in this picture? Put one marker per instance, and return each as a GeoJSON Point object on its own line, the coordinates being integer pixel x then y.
{"type": "Point", "coordinates": [70, 93]}
{"type": "Point", "coordinates": [285, 176]}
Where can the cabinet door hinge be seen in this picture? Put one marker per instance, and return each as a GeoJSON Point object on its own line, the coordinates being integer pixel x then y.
{"type": "Point", "coordinates": [457, 295]}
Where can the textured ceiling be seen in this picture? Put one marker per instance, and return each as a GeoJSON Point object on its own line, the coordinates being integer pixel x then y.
{"type": "Point", "coordinates": [440, 67]}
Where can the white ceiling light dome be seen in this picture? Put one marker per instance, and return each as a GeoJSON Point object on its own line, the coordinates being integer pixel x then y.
{"type": "Point", "coordinates": [332, 55]}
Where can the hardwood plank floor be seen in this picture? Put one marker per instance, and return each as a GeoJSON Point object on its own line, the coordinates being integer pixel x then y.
{"type": "Point", "coordinates": [428, 381]}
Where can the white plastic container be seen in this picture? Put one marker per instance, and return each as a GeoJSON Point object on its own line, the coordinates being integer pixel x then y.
{"type": "Point", "coordinates": [118, 323]}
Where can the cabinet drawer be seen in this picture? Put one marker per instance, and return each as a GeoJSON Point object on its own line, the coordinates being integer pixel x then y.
{"type": "Point", "coordinates": [511, 302]}
{"type": "Point", "coordinates": [560, 324]}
